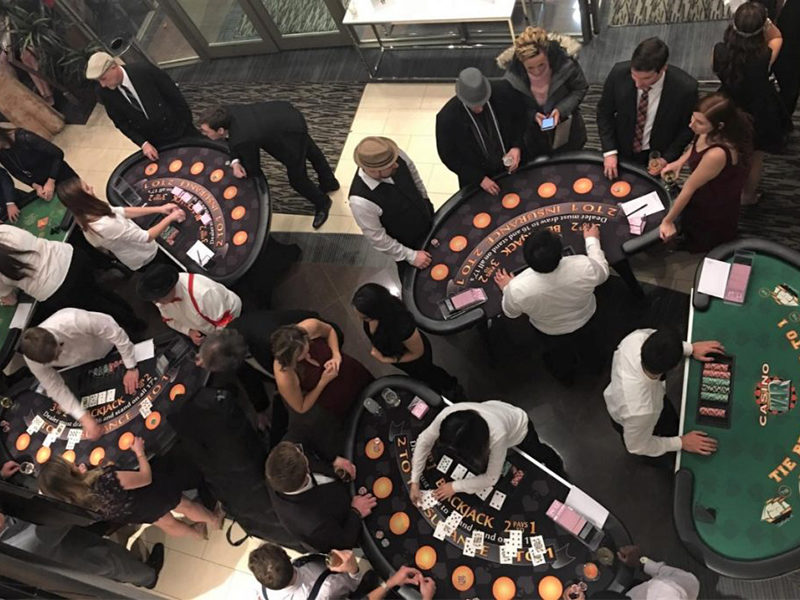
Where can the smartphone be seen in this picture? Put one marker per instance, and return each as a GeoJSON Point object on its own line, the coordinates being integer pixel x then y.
{"type": "Point", "coordinates": [548, 123]}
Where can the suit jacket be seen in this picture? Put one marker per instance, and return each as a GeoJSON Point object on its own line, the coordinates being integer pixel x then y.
{"type": "Point", "coordinates": [616, 112]}
{"type": "Point", "coordinates": [457, 141]}
{"type": "Point", "coordinates": [168, 116]}
{"type": "Point", "coordinates": [276, 126]}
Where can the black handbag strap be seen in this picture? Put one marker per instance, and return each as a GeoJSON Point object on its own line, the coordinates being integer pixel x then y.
{"type": "Point", "coordinates": [228, 534]}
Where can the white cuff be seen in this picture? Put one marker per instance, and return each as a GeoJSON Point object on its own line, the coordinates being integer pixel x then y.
{"type": "Point", "coordinates": [609, 153]}
{"type": "Point", "coordinates": [687, 349]}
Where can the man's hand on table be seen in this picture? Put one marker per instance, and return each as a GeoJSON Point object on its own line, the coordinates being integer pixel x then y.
{"type": "Point", "coordinates": [698, 442]}
{"type": "Point", "coordinates": [130, 381]}
{"type": "Point", "coordinates": [502, 278]}
{"type": "Point", "coordinates": [701, 350]}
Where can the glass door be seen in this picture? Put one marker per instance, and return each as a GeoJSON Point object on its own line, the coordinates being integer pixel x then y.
{"type": "Point", "coordinates": [295, 24]}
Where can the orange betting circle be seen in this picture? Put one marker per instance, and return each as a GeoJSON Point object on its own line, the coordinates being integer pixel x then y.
{"type": "Point", "coordinates": [463, 578]}
{"type": "Point", "coordinates": [126, 440]}
{"type": "Point", "coordinates": [175, 166]}
{"type": "Point", "coordinates": [482, 220]}
{"type": "Point", "coordinates": [151, 169]}
{"type": "Point", "coordinates": [69, 456]}
{"type": "Point", "coordinates": [374, 448]}
{"type": "Point", "coordinates": [582, 186]}
{"type": "Point", "coordinates": [230, 192]}
{"type": "Point", "coordinates": [153, 420]}
{"type": "Point", "coordinates": [177, 390]}
{"type": "Point", "coordinates": [23, 441]}
{"type": "Point", "coordinates": [547, 190]}
{"type": "Point", "coordinates": [216, 175]}
{"type": "Point", "coordinates": [620, 189]}
{"type": "Point", "coordinates": [43, 455]}
{"type": "Point", "coordinates": [382, 488]}
{"type": "Point", "coordinates": [504, 588]}
{"type": "Point", "coordinates": [97, 455]}
{"type": "Point", "coordinates": [458, 243]}
{"type": "Point", "coordinates": [399, 523]}
{"type": "Point", "coordinates": [550, 588]}
{"type": "Point", "coordinates": [239, 238]}
{"type": "Point", "coordinates": [238, 212]}
{"type": "Point", "coordinates": [590, 571]}
{"type": "Point", "coordinates": [510, 201]}
{"type": "Point", "coordinates": [425, 557]}
{"type": "Point", "coordinates": [197, 168]}
{"type": "Point", "coordinates": [439, 272]}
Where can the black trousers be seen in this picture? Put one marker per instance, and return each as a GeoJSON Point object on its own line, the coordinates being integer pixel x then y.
{"type": "Point", "coordinates": [537, 449]}
{"type": "Point", "coordinates": [668, 425]}
{"type": "Point", "coordinates": [428, 373]}
{"type": "Point", "coordinates": [298, 174]}
{"type": "Point", "coordinates": [565, 354]}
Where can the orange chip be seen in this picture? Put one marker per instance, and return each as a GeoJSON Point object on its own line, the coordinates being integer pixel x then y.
{"type": "Point", "coordinates": [42, 223]}
{"type": "Point", "coordinates": [425, 557]}
{"type": "Point", "coordinates": [69, 456]}
{"type": "Point", "coordinates": [175, 166]}
{"type": "Point", "coordinates": [216, 175]}
{"type": "Point", "coordinates": [399, 523]}
{"type": "Point", "coordinates": [482, 220]}
{"type": "Point", "coordinates": [439, 272]}
{"type": "Point", "coordinates": [197, 168]}
{"type": "Point", "coordinates": [374, 448]}
{"type": "Point", "coordinates": [239, 238]}
{"type": "Point", "coordinates": [97, 455]}
{"type": "Point", "coordinates": [230, 192]}
{"type": "Point", "coordinates": [547, 190]}
{"type": "Point", "coordinates": [151, 169]}
{"type": "Point", "coordinates": [620, 189]}
{"type": "Point", "coordinates": [238, 212]}
{"type": "Point", "coordinates": [462, 578]}
{"type": "Point", "coordinates": [43, 455]}
{"type": "Point", "coordinates": [23, 441]}
{"type": "Point", "coordinates": [511, 201]}
{"type": "Point", "coordinates": [382, 488]}
{"type": "Point", "coordinates": [153, 420]}
{"type": "Point", "coordinates": [504, 588]}
{"type": "Point", "coordinates": [458, 243]}
{"type": "Point", "coordinates": [177, 390]}
{"type": "Point", "coordinates": [126, 441]}
{"type": "Point", "coordinates": [583, 185]}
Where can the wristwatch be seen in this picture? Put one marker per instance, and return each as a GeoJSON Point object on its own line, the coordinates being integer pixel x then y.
{"type": "Point", "coordinates": [644, 560]}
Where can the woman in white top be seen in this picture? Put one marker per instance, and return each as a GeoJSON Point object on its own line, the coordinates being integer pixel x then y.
{"type": "Point", "coordinates": [110, 227]}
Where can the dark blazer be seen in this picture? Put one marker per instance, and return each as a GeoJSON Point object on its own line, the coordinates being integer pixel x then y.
{"type": "Point", "coordinates": [168, 116]}
{"type": "Point", "coordinates": [276, 126]}
{"type": "Point", "coordinates": [33, 159]}
{"type": "Point", "coordinates": [616, 112]}
{"type": "Point", "coordinates": [457, 141]}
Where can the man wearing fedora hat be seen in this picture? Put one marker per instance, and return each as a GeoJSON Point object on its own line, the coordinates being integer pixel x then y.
{"type": "Point", "coordinates": [389, 202]}
{"type": "Point", "coordinates": [142, 101]}
{"type": "Point", "coordinates": [479, 131]}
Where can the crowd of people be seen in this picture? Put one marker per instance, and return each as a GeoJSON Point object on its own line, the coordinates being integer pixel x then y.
{"type": "Point", "coordinates": [649, 114]}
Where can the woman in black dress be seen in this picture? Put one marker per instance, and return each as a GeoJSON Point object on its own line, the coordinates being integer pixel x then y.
{"type": "Point", "coordinates": [397, 341]}
{"type": "Point", "coordinates": [742, 63]}
{"type": "Point", "coordinates": [128, 497]}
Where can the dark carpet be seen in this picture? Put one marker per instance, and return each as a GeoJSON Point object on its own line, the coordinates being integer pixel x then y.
{"type": "Point", "coordinates": [651, 12]}
{"type": "Point", "coordinates": [329, 109]}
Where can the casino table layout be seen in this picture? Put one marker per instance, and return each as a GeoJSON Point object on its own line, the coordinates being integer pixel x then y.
{"type": "Point", "coordinates": [398, 533]}
{"type": "Point", "coordinates": [34, 428]}
{"type": "Point", "coordinates": [229, 217]}
{"type": "Point", "coordinates": [49, 220]}
{"type": "Point", "coordinates": [736, 509]}
{"type": "Point", "coordinates": [474, 233]}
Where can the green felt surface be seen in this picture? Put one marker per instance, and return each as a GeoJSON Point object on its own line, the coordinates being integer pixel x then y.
{"type": "Point", "coordinates": [736, 480]}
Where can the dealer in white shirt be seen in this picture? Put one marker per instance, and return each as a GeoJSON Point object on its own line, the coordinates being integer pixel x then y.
{"type": "Point", "coordinates": [72, 337]}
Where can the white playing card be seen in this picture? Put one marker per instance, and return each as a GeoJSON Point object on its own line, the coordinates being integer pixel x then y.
{"type": "Point", "coordinates": [144, 410]}
{"type": "Point", "coordinates": [36, 425]}
{"type": "Point", "coordinates": [537, 559]}
{"type": "Point", "coordinates": [146, 402]}
{"type": "Point", "coordinates": [497, 500]}
{"type": "Point", "coordinates": [514, 538]}
{"type": "Point", "coordinates": [428, 500]}
{"type": "Point", "coordinates": [452, 521]}
{"type": "Point", "coordinates": [469, 548]}
{"type": "Point", "coordinates": [176, 191]}
{"type": "Point", "coordinates": [459, 472]}
{"type": "Point", "coordinates": [484, 493]}
{"type": "Point", "coordinates": [444, 464]}
{"type": "Point", "coordinates": [441, 531]}
{"type": "Point", "coordinates": [507, 555]}
{"type": "Point", "coordinates": [49, 439]}
{"type": "Point", "coordinates": [477, 539]}
{"type": "Point", "coordinates": [537, 544]}
{"type": "Point", "coordinates": [60, 429]}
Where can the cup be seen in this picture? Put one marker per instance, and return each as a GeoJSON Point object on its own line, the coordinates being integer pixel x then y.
{"type": "Point", "coordinates": [26, 468]}
{"type": "Point", "coordinates": [654, 158]}
{"type": "Point", "coordinates": [391, 397]}
{"type": "Point", "coordinates": [507, 160]}
{"type": "Point", "coordinates": [6, 402]}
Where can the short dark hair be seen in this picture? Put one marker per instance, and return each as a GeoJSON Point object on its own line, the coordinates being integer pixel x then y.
{"type": "Point", "coordinates": [542, 251]}
{"type": "Point", "coordinates": [286, 468]}
{"type": "Point", "coordinates": [216, 117]}
{"type": "Point", "coordinates": [662, 351]}
{"type": "Point", "coordinates": [466, 434]}
{"type": "Point", "coordinates": [271, 566]}
{"type": "Point", "coordinates": [39, 345]}
{"type": "Point", "coordinates": [650, 55]}
{"type": "Point", "coordinates": [223, 351]}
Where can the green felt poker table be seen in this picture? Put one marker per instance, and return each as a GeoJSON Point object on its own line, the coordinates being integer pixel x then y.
{"type": "Point", "coordinates": [734, 510]}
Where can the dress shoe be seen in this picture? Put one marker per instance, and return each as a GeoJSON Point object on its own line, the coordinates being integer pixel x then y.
{"type": "Point", "coordinates": [155, 561]}
{"type": "Point", "coordinates": [321, 216]}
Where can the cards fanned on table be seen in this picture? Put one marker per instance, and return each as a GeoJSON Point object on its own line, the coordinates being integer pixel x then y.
{"type": "Point", "coordinates": [427, 500]}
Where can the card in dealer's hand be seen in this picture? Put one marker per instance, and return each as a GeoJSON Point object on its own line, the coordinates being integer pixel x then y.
{"type": "Point", "coordinates": [497, 500]}
{"type": "Point", "coordinates": [444, 464]}
{"type": "Point", "coordinates": [459, 472]}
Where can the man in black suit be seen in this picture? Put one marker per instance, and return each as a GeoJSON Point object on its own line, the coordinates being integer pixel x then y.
{"type": "Point", "coordinates": [142, 101]}
{"type": "Point", "coordinates": [479, 129]}
{"type": "Point", "coordinates": [281, 130]}
{"type": "Point", "coordinates": [312, 501]}
{"type": "Point", "coordinates": [646, 106]}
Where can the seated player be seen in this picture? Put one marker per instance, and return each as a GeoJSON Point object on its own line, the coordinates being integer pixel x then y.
{"type": "Point", "coordinates": [405, 576]}
{"type": "Point", "coordinates": [129, 497]}
{"type": "Point", "coordinates": [389, 202]}
{"type": "Point", "coordinates": [190, 303]}
{"type": "Point", "coordinates": [479, 433]}
{"type": "Point", "coordinates": [311, 499]}
{"type": "Point", "coordinates": [9, 211]}
{"type": "Point", "coordinates": [110, 227]}
{"type": "Point", "coordinates": [636, 397]}
{"type": "Point", "coordinates": [557, 295]}
{"type": "Point", "coordinates": [478, 128]}
{"type": "Point", "coordinates": [72, 337]}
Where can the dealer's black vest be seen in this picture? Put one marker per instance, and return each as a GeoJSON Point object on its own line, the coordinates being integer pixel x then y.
{"type": "Point", "coordinates": [407, 216]}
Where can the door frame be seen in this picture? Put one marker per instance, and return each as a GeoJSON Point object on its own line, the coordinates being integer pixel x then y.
{"type": "Point", "coordinates": [299, 41]}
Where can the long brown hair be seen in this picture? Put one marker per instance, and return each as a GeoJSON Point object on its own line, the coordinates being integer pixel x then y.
{"type": "Point", "coordinates": [744, 41]}
{"type": "Point", "coordinates": [730, 124]}
{"type": "Point", "coordinates": [61, 480]}
{"type": "Point", "coordinates": [80, 203]}
{"type": "Point", "coordinates": [287, 343]}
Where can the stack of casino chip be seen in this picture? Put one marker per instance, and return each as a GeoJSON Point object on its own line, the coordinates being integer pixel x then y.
{"type": "Point", "coordinates": [715, 386]}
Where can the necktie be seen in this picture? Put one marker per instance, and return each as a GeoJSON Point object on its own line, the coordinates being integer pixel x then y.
{"type": "Point", "coordinates": [131, 98]}
{"type": "Point", "coordinates": [641, 119]}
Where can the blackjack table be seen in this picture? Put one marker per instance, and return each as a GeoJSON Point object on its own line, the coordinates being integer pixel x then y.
{"type": "Point", "coordinates": [735, 509]}
{"type": "Point", "coordinates": [227, 219]}
{"type": "Point", "coordinates": [33, 427]}
{"type": "Point", "coordinates": [399, 533]}
{"type": "Point", "coordinates": [474, 233]}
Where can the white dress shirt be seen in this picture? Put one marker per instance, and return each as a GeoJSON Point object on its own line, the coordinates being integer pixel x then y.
{"type": "Point", "coordinates": [635, 400]}
{"type": "Point", "coordinates": [123, 238]}
{"type": "Point", "coordinates": [49, 262]}
{"type": "Point", "coordinates": [335, 586]}
{"type": "Point", "coordinates": [508, 426]}
{"type": "Point", "coordinates": [128, 85]}
{"type": "Point", "coordinates": [213, 308]}
{"type": "Point", "coordinates": [83, 336]}
{"type": "Point", "coordinates": [562, 301]}
{"type": "Point", "coordinates": [368, 215]}
{"type": "Point", "coordinates": [653, 100]}
{"type": "Point", "coordinates": [667, 583]}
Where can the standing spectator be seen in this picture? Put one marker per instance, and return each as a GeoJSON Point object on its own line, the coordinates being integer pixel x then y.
{"type": "Point", "coordinates": [787, 65]}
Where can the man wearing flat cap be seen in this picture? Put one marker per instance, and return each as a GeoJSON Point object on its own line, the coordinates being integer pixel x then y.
{"type": "Point", "coordinates": [142, 101]}
{"type": "Point", "coordinates": [389, 202]}
{"type": "Point", "coordinates": [189, 303]}
{"type": "Point", "coordinates": [479, 131]}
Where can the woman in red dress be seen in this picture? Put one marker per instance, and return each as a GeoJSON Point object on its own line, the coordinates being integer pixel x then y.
{"type": "Point", "coordinates": [709, 201]}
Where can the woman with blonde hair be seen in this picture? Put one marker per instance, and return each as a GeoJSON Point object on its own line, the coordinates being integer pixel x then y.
{"type": "Point", "coordinates": [549, 81]}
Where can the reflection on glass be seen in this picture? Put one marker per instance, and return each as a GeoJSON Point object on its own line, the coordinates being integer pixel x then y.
{"type": "Point", "coordinates": [221, 21]}
{"type": "Point", "coordinates": [300, 16]}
